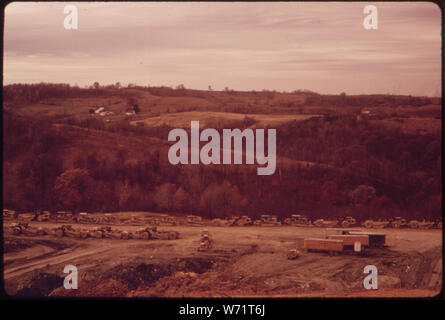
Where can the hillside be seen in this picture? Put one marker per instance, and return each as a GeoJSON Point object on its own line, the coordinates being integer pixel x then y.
{"type": "Point", "coordinates": [367, 156]}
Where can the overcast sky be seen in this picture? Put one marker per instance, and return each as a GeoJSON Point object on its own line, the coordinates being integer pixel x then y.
{"type": "Point", "coordinates": [246, 46]}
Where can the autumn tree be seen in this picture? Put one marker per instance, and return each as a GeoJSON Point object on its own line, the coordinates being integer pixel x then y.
{"type": "Point", "coordinates": [73, 189]}
{"type": "Point", "coordinates": [181, 200]}
{"type": "Point", "coordinates": [362, 194]}
{"type": "Point", "coordinates": [221, 200]}
{"type": "Point", "coordinates": [329, 193]}
{"type": "Point", "coordinates": [163, 197]}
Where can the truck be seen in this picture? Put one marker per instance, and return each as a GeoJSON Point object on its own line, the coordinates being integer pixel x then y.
{"type": "Point", "coordinates": [194, 220]}
{"type": "Point", "coordinates": [376, 240]}
{"type": "Point", "coordinates": [349, 240]}
{"type": "Point", "coordinates": [331, 246]}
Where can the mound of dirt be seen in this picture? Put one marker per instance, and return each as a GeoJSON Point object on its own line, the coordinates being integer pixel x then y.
{"type": "Point", "coordinates": [410, 270]}
{"type": "Point", "coordinates": [16, 245]}
{"type": "Point", "coordinates": [126, 278]}
{"type": "Point", "coordinates": [40, 285]}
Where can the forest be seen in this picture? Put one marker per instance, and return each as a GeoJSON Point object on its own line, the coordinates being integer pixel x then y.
{"type": "Point", "coordinates": [332, 165]}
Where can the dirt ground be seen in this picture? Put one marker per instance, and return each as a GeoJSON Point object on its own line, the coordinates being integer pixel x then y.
{"type": "Point", "coordinates": [244, 262]}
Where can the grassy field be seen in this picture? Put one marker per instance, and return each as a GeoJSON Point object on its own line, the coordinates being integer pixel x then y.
{"type": "Point", "coordinates": [414, 125]}
{"type": "Point", "coordinates": [208, 119]}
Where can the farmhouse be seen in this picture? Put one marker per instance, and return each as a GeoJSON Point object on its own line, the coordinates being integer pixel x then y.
{"type": "Point", "coordinates": [99, 110]}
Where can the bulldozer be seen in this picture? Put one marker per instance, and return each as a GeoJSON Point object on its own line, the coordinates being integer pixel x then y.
{"type": "Point", "coordinates": [8, 214]}
{"type": "Point", "coordinates": [125, 235]}
{"type": "Point", "coordinates": [194, 220]}
{"type": "Point", "coordinates": [297, 220]}
{"type": "Point", "coordinates": [61, 216]}
{"type": "Point", "coordinates": [109, 233]}
{"type": "Point", "coordinates": [293, 254]}
{"type": "Point", "coordinates": [163, 235]}
{"type": "Point", "coordinates": [97, 233]}
{"type": "Point", "coordinates": [153, 233]}
{"type": "Point", "coordinates": [321, 223]}
{"type": "Point", "coordinates": [23, 228]}
{"type": "Point", "coordinates": [166, 220]}
{"type": "Point", "coordinates": [82, 218]}
{"type": "Point", "coordinates": [426, 224]}
{"type": "Point", "coordinates": [43, 216]}
{"type": "Point", "coordinates": [219, 222]}
{"type": "Point", "coordinates": [109, 218]}
{"type": "Point", "coordinates": [232, 221]}
{"type": "Point", "coordinates": [244, 221]}
{"type": "Point", "coordinates": [398, 222]}
{"type": "Point", "coordinates": [347, 221]}
{"type": "Point", "coordinates": [415, 224]}
{"type": "Point", "coordinates": [141, 234]}
{"type": "Point", "coordinates": [33, 231]}
{"type": "Point", "coordinates": [26, 217]}
{"type": "Point", "coordinates": [17, 228]}
{"type": "Point", "coordinates": [205, 243]}
{"type": "Point", "coordinates": [267, 221]}
{"type": "Point", "coordinates": [58, 231]}
{"type": "Point", "coordinates": [14, 229]}
{"type": "Point", "coordinates": [371, 224]}
{"type": "Point", "coordinates": [136, 220]}
{"type": "Point", "coordinates": [70, 232]}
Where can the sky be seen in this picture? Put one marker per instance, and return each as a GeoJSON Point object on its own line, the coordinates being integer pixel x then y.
{"type": "Point", "coordinates": [282, 46]}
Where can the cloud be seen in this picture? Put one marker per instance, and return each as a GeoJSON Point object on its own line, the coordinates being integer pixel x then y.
{"type": "Point", "coordinates": [286, 46]}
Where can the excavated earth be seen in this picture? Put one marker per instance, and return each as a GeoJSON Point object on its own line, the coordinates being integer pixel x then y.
{"type": "Point", "coordinates": [243, 262]}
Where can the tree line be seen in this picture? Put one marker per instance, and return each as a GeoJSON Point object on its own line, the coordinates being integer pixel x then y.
{"type": "Point", "coordinates": [326, 167]}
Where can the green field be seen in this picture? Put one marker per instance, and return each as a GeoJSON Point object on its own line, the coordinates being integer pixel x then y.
{"type": "Point", "coordinates": [209, 119]}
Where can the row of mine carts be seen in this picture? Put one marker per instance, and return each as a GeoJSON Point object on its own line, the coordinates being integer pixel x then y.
{"type": "Point", "coordinates": [299, 220]}
{"type": "Point", "coordinates": [399, 222]}
{"type": "Point", "coordinates": [88, 218]}
{"type": "Point", "coordinates": [265, 220]}
{"type": "Point", "coordinates": [132, 220]}
{"type": "Point", "coordinates": [348, 221]}
{"type": "Point", "coordinates": [97, 232]}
